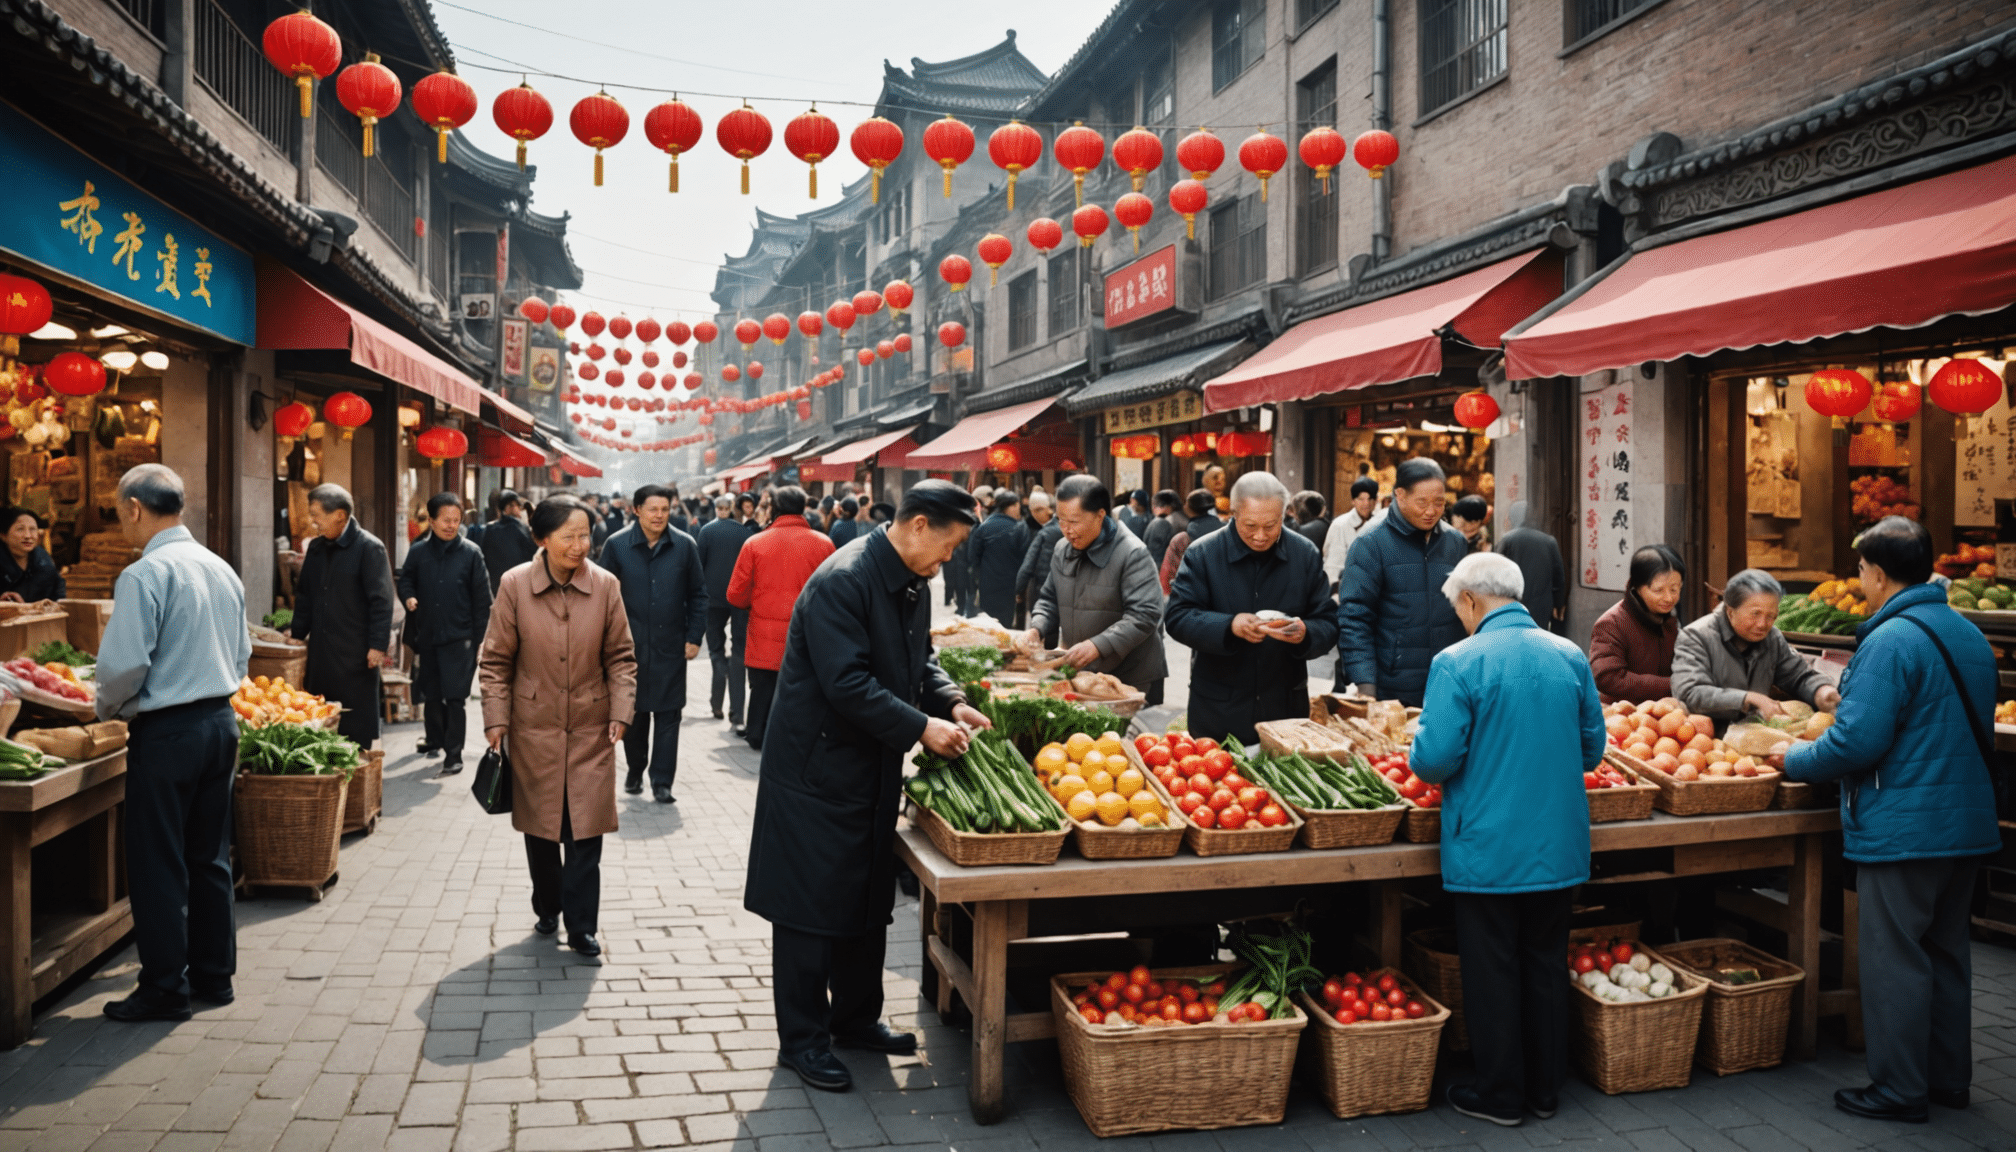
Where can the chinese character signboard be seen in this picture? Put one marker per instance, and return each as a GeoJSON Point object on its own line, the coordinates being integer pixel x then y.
{"type": "Point", "coordinates": [514, 349]}
{"type": "Point", "coordinates": [1605, 450]}
{"type": "Point", "coordinates": [77, 218]}
{"type": "Point", "coordinates": [1145, 288]}
{"type": "Point", "coordinates": [1984, 466]}
{"type": "Point", "coordinates": [1151, 414]}
{"type": "Point", "coordinates": [545, 369]}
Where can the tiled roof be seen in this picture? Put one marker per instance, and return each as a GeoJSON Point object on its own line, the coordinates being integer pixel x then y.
{"type": "Point", "coordinates": [996, 80]}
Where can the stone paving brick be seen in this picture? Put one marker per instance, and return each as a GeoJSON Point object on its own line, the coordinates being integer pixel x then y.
{"type": "Point", "coordinates": [579, 1137]}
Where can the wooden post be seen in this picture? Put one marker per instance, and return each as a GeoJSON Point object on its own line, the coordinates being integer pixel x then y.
{"type": "Point", "coordinates": [990, 1009]}
{"type": "Point", "coordinates": [17, 987]}
{"type": "Point", "coordinates": [928, 982]}
{"type": "Point", "coordinates": [1386, 905]}
{"type": "Point", "coordinates": [1802, 941]}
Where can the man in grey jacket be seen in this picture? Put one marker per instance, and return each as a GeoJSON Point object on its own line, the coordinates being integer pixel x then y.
{"type": "Point", "coordinates": [1103, 597]}
{"type": "Point", "coordinates": [1726, 663]}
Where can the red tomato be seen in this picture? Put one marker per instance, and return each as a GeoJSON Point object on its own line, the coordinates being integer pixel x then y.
{"type": "Point", "coordinates": [1396, 997]}
{"type": "Point", "coordinates": [1092, 1015]}
{"type": "Point", "coordinates": [1190, 801]}
{"type": "Point", "coordinates": [1134, 993]}
{"type": "Point", "coordinates": [1232, 816]}
{"type": "Point", "coordinates": [1144, 742]}
{"type": "Point", "coordinates": [1139, 974]}
{"type": "Point", "coordinates": [1416, 1009]}
{"type": "Point", "coordinates": [1178, 787]}
{"type": "Point", "coordinates": [1117, 981]}
{"type": "Point", "coordinates": [1221, 799]}
{"type": "Point", "coordinates": [1234, 781]}
{"type": "Point", "coordinates": [1589, 780]}
{"type": "Point", "coordinates": [1346, 1016]}
{"type": "Point", "coordinates": [1082, 999]}
{"type": "Point", "coordinates": [1333, 991]}
{"type": "Point", "coordinates": [1414, 788]}
{"type": "Point", "coordinates": [1387, 983]}
{"type": "Point", "coordinates": [1271, 816]}
{"type": "Point", "coordinates": [1156, 756]}
{"type": "Point", "coordinates": [1623, 952]}
{"type": "Point", "coordinates": [1396, 776]}
{"type": "Point", "coordinates": [1203, 816]}
{"type": "Point", "coordinates": [1215, 989]}
{"type": "Point", "coordinates": [1171, 1010]}
{"type": "Point", "coordinates": [1210, 1004]}
{"type": "Point", "coordinates": [1204, 744]}
{"type": "Point", "coordinates": [1203, 783]}
{"type": "Point", "coordinates": [1188, 992]}
{"type": "Point", "coordinates": [1249, 798]}
{"type": "Point", "coordinates": [1127, 1011]}
{"type": "Point", "coordinates": [1215, 770]}
{"type": "Point", "coordinates": [1182, 748]}
{"type": "Point", "coordinates": [1217, 756]}
{"type": "Point", "coordinates": [1108, 999]}
{"type": "Point", "coordinates": [1194, 1013]}
{"type": "Point", "coordinates": [1381, 1012]}
{"type": "Point", "coordinates": [1584, 962]}
{"type": "Point", "coordinates": [1352, 979]}
{"type": "Point", "coordinates": [1156, 990]}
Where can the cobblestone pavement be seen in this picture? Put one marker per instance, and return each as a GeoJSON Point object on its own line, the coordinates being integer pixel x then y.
{"type": "Point", "coordinates": [415, 1009]}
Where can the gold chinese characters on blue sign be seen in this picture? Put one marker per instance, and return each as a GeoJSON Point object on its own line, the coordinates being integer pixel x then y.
{"type": "Point", "coordinates": [74, 216]}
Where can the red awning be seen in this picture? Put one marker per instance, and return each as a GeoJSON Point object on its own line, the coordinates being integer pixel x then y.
{"type": "Point", "coordinates": [502, 450]}
{"type": "Point", "coordinates": [296, 315]}
{"type": "Point", "coordinates": [1899, 258]}
{"type": "Point", "coordinates": [965, 446]}
{"type": "Point", "coordinates": [509, 415]}
{"type": "Point", "coordinates": [1392, 339]}
{"type": "Point", "coordinates": [575, 466]}
{"type": "Point", "coordinates": [862, 450]}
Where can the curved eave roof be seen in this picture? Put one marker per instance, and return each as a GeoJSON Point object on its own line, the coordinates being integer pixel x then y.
{"type": "Point", "coordinates": [994, 81]}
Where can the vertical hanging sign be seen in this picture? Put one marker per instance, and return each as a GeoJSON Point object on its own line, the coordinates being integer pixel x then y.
{"type": "Point", "coordinates": [1604, 530]}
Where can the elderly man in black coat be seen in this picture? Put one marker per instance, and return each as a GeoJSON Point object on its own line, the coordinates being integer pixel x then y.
{"type": "Point", "coordinates": [860, 686]}
{"type": "Point", "coordinates": [1245, 669]}
{"type": "Point", "coordinates": [507, 542]}
{"type": "Point", "coordinates": [721, 541]}
{"type": "Point", "coordinates": [997, 549]}
{"type": "Point", "coordinates": [446, 591]}
{"type": "Point", "coordinates": [343, 611]}
{"type": "Point", "coordinates": [665, 597]}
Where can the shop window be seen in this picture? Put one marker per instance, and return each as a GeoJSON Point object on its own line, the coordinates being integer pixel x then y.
{"type": "Point", "coordinates": [1588, 19]}
{"type": "Point", "coordinates": [1063, 293]}
{"type": "Point", "coordinates": [1316, 206]}
{"type": "Point", "coordinates": [1238, 246]}
{"type": "Point", "coordinates": [1462, 48]}
{"type": "Point", "coordinates": [1238, 38]}
{"type": "Point", "coordinates": [1022, 311]}
{"type": "Point", "coordinates": [1306, 11]}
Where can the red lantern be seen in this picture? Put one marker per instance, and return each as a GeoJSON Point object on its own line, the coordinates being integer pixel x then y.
{"type": "Point", "coordinates": [1089, 223]}
{"type": "Point", "coordinates": [1897, 401]}
{"type": "Point", "coordinates": [347, 411]}
{"type": "Point", "coordinates": [804, 409]}
{"type": "Point", "coordinates": [1323, 148]}
{"type": "Point", "coordinates": [673, 127]}
{"type": "Point", "coordinates": [1375, 151]}
{"type": "Point", "coordinates": [620, 328]}
{"type": "Point", "coordinates": [589, 372]}
{"type": "Point", "coordinates": [1079, 149]}
{"type": "Point", "coordinates": [522, 114]}
{"type": "Point", "coordinates": [534, 309]}
{"type": "Point", "coordinates": [745, 135]}
{"type": "Point", "coordinates": [755, 370]}
{"type": "Point", "coordinates": [867, 302]}
{"type": "Point", "coordinates": [305, 48]}
{"type": "Point", "coordinates": [1134, 210]}
{"type": "Point", "coordinates": [812, 137]}
{"type": "Point", "coordinates": [678, 332]}
{"type": "Point", "coordinates": [1245, 444]}
{"type": "Point", "coordinates": [885, 349]}
{"type": "Point", "coordinates": [865, 357]}
{"type": "Point", "coordinates": [841, 315]}
{"type": "Point", "coordinates": [902, 342]}
{"type": "Point", "coordinates": [693, 381]}
{"type": "Point", "coordinates": [1183, 447]}
{"type": "Point", "coordinates": [1188, 198]}
{"type": "Point", "coordinates": [1015, 148]}
{"type": "Point", "coordinates": [1200, 153]}
{"type": "Point", "coordinates": [1263, 154]}
{"type": "Point", "coordinates": [898, 294]}
{"type": "Point", "coordinates": [648, 330]}
{"type": "Point", "coordinates": [994, 250]}
{"type": "Point", "coordinates": [876, 143]}
{"type": "Point", "coordinates": [369, 91]}
{"type": "Point", "coordinates": [609, 423]}
{"type": "Point", "coordinates": [777, 326]}
{"type": "Point", "coordinates": [747, 332]}
{"type": "Point", "coordinates": [1138, 152]}
{"type": "Point", "coordinates": [444, 102]}
{"type": "Point", "coordinates": [1045, 233]}
{"type": "Point", "coordinates": [956, 271]}
{"type": "Point", "coordinates": [441, 443]}
{"type": "Point", "coordinates": [599, 122]}
{"type": "Point", "coordinates": [1965, 388]}
{"type": "Point", "coordinates": [1838, 393]}
{"type": "Point", "coordinates": [24, 307]}
{"type": "Point", "coordinates": [646, 381]}
{"type": "Point", "coordinates": [596, 352]}
{"type": "Point", "coordinates": [730, 373]}
{"type": "Point", "coordinates": [949, 143]}
{"type": "Point", "coordinates": [622, 354]}
{"type": "Point", "coordinates": [577, 417]}
{"type": "Point", "coordinates": [562, 316]}
{"type": "Point", "coordinates": [614, 377]}
{"type": "Point", "coordinates": [592, 324]}
{"type": "Point", "coordinates": [1004, 458]}
{"type": "Point", "coordinates": [951, 334]}
{"type": "Point", "coordinates": [810, 324]}
{"type": "Point", "coordinates": [1476, 410]}
{"type": "Point", "coordinates": [74, 374]}
{"type": "Point", "coordinates": [705, 332]}
{"type": "Point", "coordinates": [707, 457]}
{"type": "Point", "coordinates": [650, 359]}
{"type": "Point", "coordinates": [292, 420]}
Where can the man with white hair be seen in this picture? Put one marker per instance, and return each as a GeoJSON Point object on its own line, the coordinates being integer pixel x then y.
{"type": "Point", "coordinates": [1511, 722]}
{"type": "Point", "coordinates": [1254, 606]}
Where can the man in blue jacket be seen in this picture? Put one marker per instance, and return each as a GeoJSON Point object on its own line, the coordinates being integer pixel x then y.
{"type": "Point", "coordinates": [1910, 745]}
{"type": "Point", "coordinates": [1391, 621]}
{"type": "Point", "coordinates": [1511, 722]}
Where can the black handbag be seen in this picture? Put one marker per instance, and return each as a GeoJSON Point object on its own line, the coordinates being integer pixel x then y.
{"type": "Point", "coordinates": [492, 787]}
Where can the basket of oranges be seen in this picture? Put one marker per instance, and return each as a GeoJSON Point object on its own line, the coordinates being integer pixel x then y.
{"type": "Point", "coordinates": [1116, 811]}
{"type": "Point", "coordinates": [262, 700]}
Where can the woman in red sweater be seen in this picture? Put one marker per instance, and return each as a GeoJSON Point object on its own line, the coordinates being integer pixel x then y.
{"type": "Point", "coordinates": [770, 571]}
{"type": "Point", "coordinates": [1631, 646]}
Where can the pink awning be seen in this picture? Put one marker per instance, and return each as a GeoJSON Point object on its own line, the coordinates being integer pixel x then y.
{"type": "Point", "coordinates": [503, 450]}
{"type": "Point", "coordinates": [509, 415]}
{"type": "Point", "coordinates": [575, 466]}
{"type": "Point", "coordinates": [296, 315]}
{"type": "Point", "coordinates": [974, 434]}
{"type": "Point", "coordinates": [1389, 340]}
{"type": "Point", "coordinates": [862, 450]}
{"type": "Point", "coordinates": [1899, 258]}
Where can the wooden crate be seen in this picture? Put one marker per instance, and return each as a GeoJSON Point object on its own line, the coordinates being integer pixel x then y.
{"type": "Point", "coordinates": [24, 634]}
{"type": "Point", "coordinates": [87, 621]}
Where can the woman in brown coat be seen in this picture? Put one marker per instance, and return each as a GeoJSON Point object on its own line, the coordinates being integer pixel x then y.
{"type": "Point", "coordinates": [560, 681]}
{"type": "Point", "coordinates": [1631, 645]}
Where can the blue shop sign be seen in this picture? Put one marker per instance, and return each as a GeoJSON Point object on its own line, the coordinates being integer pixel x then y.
{"type": "Point", "coordinates": [77, 218]}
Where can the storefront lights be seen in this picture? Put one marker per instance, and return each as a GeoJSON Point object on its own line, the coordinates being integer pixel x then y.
{"type": "Point", "coordinates": [119, 360]}
{"type": "Point", "coordinates": [158, 361]}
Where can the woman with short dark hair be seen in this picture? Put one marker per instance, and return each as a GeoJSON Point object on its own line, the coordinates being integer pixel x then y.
{"type": "Point", "coordinates": [28, 573]}
{"type": "Point", "coordinates": [1631, 645]}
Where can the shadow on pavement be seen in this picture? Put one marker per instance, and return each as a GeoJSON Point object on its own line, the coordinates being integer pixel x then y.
{"type": "Point", "coordinates": [493, 1008]}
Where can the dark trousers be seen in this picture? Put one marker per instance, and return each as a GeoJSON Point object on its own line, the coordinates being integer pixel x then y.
{"type": "Point", "coordinates": [442, 680]}
{"type": "Point", "coordinates": [762, 686]}
{"type": "Point", "coordinates": [1513, 950]}
{"type": "Point", "coordinates": [179, 765]}
{"type": "Point", "coordinates": [825, 986]}
{"type": "Point", "coordinates": [653, 740]}
{"type": "Point", "coordinates": [1915, 948]}
{"type": "Point", "coordinates": [572, 889]}
{"type": "Point", "coordinates": [727, 633]}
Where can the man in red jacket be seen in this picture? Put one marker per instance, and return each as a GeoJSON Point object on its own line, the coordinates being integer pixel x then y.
{"type": "Point", "coordinates": [769, 573]}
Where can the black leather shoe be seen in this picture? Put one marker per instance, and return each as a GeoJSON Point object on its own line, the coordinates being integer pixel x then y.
{"type": "Point", "coordinates": [1463, 1098]}
{"type": "Point", "coordinates": [717, 712]}
{"type": "Point", "coordinates": [633, 787]}
{"type": "Point", "coordinates": [426, 749]}
{"type": "Point", "coordinates": [1873, 1105]}
{"type": "Point", "coordinates": [880, 1039]}
{"type": "Point", "coordinates": [663, 795]}
{"type": "Point", "coordinates": [819, 1068]}
{"type": "Point", "coordinates": [547, 926]}
{"type": "Point", "coordinates": [585, 943]}
{"type": "Point", "coordinates": [133, 1010]}
{"type": "Point", "coordinates": [218, 996]}
{"type": "Point", "coordinates": [450, 768]}
{"type": "Point", "coordinates": [1544, 1111]}
{"type": "Point", "coordinates": [1954, 1098]}
{"type": "Point", "coordinates": [738, 732]}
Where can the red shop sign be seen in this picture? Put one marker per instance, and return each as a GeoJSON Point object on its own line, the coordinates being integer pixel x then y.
{"type": "Point", "coordinates": [1147, 287]}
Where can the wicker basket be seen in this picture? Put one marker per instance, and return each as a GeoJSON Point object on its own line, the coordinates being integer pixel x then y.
{"type": "Point", "coordinates": [287, 662]}
{"type": "Point", "coordinates": [979, 849]}
{"type": "Point", "coordinates": [1708, 796]}
{"type": "Point", "coordinates": [1375, 1067]}
{"type": "Point", "coordinates": [1422, 826]}
{"type": "Point", "coordinates": [1329, 704]}
{"type": "Point", "coordinates": [1793, 795]}
{"type": "Point", "coordinates": [288, 829]}
{"type": "Point", "coordinates": [1349, 828]}
{"type": "Point", "coordinates": [1744, 1025]}
{"type": "Point", "coordinates": [1429, 957]}
{"type": "Point", "coordinates": [1112, 1073]}
{"type": "Point", "coordinates": [1097, 842]}
{"type": "Point", "coordinates": [1632, 802]}
{"type": "Point", "coordinates": [1309, 737]}
{"type": "Point", "coordinates": [1638, 1047]}
{"type": "Point", "coordinates": [1243, 841]}
{"type": "Point", "coordinates": [366, 801]}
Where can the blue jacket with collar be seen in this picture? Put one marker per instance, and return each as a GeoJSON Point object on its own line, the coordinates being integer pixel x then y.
{"type": "Point", "coordinates": [1913, 786]}
{"type": "Point", "coordinates": [1391, 614]}
{"type": "Point", "coordinates": [1511, 722]}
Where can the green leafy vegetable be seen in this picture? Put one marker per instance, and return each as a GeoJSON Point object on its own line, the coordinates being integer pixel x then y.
{"type": "Point", "coordinates": [970, 665]}
{"type": "Point", "coordinates": [280, 619]}
{"type": "Point", "coordinates": [1277, 966]}
{"type": "Point", "coordinates": [295, 750]}
{"type": "Point", "coordinates": [1045, 719]}
{"type": "Point", "coordinates": [20, 762]}
{"type": "Point", "coordinates": [59, 652]}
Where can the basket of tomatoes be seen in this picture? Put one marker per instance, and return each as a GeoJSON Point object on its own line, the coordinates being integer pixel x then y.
{"type": "Point", "coordinates": [1165, 1027]}
{"type": "Point", "coordinates": [1423, 824]}
{"type": "Point", "coordinates": [1376, 1039]}
{"type": "Point", "coordinates": [1228, 814]}
{"type": "Point", "coordinates": [1617, 792]}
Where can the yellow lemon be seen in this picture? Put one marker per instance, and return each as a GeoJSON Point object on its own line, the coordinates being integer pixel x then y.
{"type": "Point", "coordinates": [1150, 819]}
{"type": "Point", "coordinates": [1111, 744]}
{"type": "Point", "coordinates": [1128, 783]}
{"type": "Point", "coordinates": [1082, 806]}
{"type": "Point", "coordinates": [1143, 803]}
{"type": "Point", "coordinates": [1052, 758]}
{"type": "Point", "coordinates": [1069, 785]}
{"type": "Point", "coordinates": [1112, 809]}
{"type": "Point", "coordinates": [1078, 746]}
{"type": "Point", "coordinates": [1100, 781]}
{"type": "Point", "coordinates": [1094, 760]}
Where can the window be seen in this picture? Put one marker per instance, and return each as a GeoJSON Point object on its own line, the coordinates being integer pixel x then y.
{"type": "Point", "coordinates": [1315, 208]}
{"type": "Point", "coordinates": [1238, 246]}
{"type": "Point", "coordinates": [1585, 18]}
{"type": "Point", "coordinates": [1063, 293]}
{"type": "Point", "coordinates": [892, 222]}
{"type": "Point", "coordinates": [1158, 92]}
{"type": "Point", "coordinates": [1239, 37]}
{"type": "Point", "coordinates": [1462, 48]}
{"type": "Point", "coordinates": [1022, 311]}
{"type": "Point", "coordinates": [1306, 11]}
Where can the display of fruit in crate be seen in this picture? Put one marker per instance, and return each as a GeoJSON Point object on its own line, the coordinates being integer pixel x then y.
{"type": "Point", "coordinates": [48, 678]}
{"type": "Point", "coordinates": [1413, 789]}
{"type": "Point", "coordinates": [1619, 972]}
{"type": "Point", "coordinates": [1976, 560]}
{"type": "Point", "coordinates": [1871, 498]}
{"type": "Point", "coordinates": [260, 701]}
{"type": "Point", "coordinates": [1662, 733]}
{"type": "Point", "coordinates": [1363, 999]}
{"type": "Point", "coordinates": [2005, 712]}
{"type": "Point", "coordinates": [1845, 595]}
{"type": "Point", "coordinates": [1094, 781]}
{"type": "Point", "coordinates": [1981, 594]}
{"type": "Point", "coordinates": [1606, 775]}
{"type": "Point", "coordinates": [1138, 997]}
{"type": "Point", "coordinates": [1205, 782]}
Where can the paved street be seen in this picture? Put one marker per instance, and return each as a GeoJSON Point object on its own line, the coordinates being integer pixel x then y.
{"type": "Point", "coordinates": [415, 1009]}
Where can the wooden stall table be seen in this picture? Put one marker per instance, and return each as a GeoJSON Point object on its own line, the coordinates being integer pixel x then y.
{"type": "Point", "coordinates": [998, 899]}
{"type": "Point", "coordinates": [43, 951]}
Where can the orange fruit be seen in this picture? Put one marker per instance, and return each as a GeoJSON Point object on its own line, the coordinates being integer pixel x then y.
{"type": "Point", "coordinates": [1150, 819]}
{"type": "Point", "coordinates": [1112, 809]}
{"type": "Point", "coordinates": [1100, 781]}
{"type": "Point", "coordinates": [1129, 782]}
{"type": "Point", "coordinates": [1052, 758]}
{"type": "Point", "coordinates": [1078, 746]}
{"type": "Point", "coordinates": [1111, 744]}
{"type": "Point", "coordinates": [1095, 760]}
{"type": "Point", "coordinates": [1667, 746]}
{"type": "Point", "coordinates": [1069, 785]}
{"type": "Point", "coordinates": [1144, 804]}
{"type": "Point", "coordinates": [1082, 806]}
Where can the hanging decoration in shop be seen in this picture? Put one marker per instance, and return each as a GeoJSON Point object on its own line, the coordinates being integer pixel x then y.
{"type": "Point", "coordinates": [595, 352]}
{"type": "Point", "coordinates": [622, 355]}
{"type": "Point", "coordinates": [620, 328]}
{"type": "Point", "coordinates": [522, 114]}
{"type": "Point", "coordinates": [1200, 153]}
{"type": "Point", "coordinates": [444, 102]}
{"type": "Point", "coordinates": [812, 136]}
{"type": "Point", "coordinates": [648, 331]}
{"type": "Point", "coordinates": [646, 381]}
{"type": "Point", "coordinates": [745, 135]}
{"type": "Point", "coordinates": [1134, 210]}
{"type": "Point", "coordinates": [1045, 233]}
{"type": "Point", "coordinates": [1015, 148]}
{"type": "Point", "coordinates": [74, 374]}
{"type": "Point", "coordinates": [865, 357]}
{"type": "Point", "coordinates": [755, 370]}
{"type": "Point", "coordinates": [810, 324]}
{"type": "Point", "coordinates": [1966, 388]}
{"type": "Point", "coordinates": [877, 143]}
{"type": "Point", "coordinates": [994, 250]}
{"type": "Point", "coordinates": [1078, 150]}
{"type": "Point", "coordinates": [369, 91]}
{"type": "Point", "coordinates": [305, 49]}
{"type": "Point", "coordinates": [693, 381]}
{"type": "Point", "coordinates": [592, 324]}
{"type": "Point", "coordinates": [1146, 446]}
{"type": "Point", "coordinates": [291, 422]}
{"type": "Point", "coordinates": [678, 332]}
{"type": "Point", "coordinates": [1838, 393]}
{"type": "Point", "coordinates": [347, 411]}
{"type": "Point", "coordinates": [561, 316]}
{"type": "Point", "coordinates": [441, 443]}
{"type": "Point", "coordinates": [588, 372]}
{"type": "Point", "coordinates": [1897, 402]}
{"type": "Point", "coordinates": [1240, 444]}
{"type": "Point", "coordinates": [1323, 148]}
{"type": "Point", "coordinates": [949, 143]}
{"type": "Point", "coordinates": [867, 302]}
{"type": "Point", "coordinates": [777, 327]}
{"type": "Point", "coordinates": [1476, 410]}
{"type": "Point", "coordinates": [1183, 447]}
{"type": "Point", "coordinates": [1004, 458]}
{"type": "Point", "coordinates": [730, 373]}
{"type": "Point", "coordinates": [1138, 152]}
{"type": "Point", "coordinates": [599, 121]}
{"type": "Point", "coordinates": [898, 295]}
{"type": "Point", "coordinates": [650, 359]}
{"type": "Point", "coordinates": [613, 377]}
{"type": "Point", "coordinates": [673, 127]}
{"type": "Point", "coordinates": [1187, 198]}
{"type": "Point", "coordinates": [1375, 151]}
{"type": "Point", "coordinates": [1089, 222]}
{"type": "Point", "coordinates": [955, 270]}
{"type": "Point", "coordinates": [24, 307]}
{"type": "Point", "coordinates": [1263, 154]}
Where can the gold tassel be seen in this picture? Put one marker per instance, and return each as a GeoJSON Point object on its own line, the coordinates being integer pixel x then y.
{"type": "Point", "coordinates": [745, 177]}
{"type": "Point", "coordinates": [368, 122]}
{"type": "Point", "coordinates": [1263, 189]}
{"type": "Point", "coordinates": [1137, 238]}
{"type": "Point", "coordinates": [441, 144]}
{"type": "Point", "coordinates": [1011, 189]}
{"type": "Point", "coordinates": [875, 187]}
{"type": "Point", "coordinates": [948, 180]}
{"type": "Point", "coordinates": [814, 170]}
{"type": "Point", "coordinates": [1078, 182]}
{"type": "Point", "coordinates": [305, 84]}
{"type": "Point", "coordinates": [598, 167]}
{"type": "Point", "coordinates": [675, 171]}
{"type": "Point", "coordinates": [521, 155]}
{"type": "Point", "coordinates": [1137, 181]}
{"type": "Point", "coordinates": [1190, 225]}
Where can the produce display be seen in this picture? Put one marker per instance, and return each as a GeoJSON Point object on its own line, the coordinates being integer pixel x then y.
{"type": "Point", "coordinates": [2005, 712]}
{"type": "Point", "coordinates": [1834, 608]}
{"type": "Point", "coordinates": [1661, 733]}
{"type": "Point", "coordinates": [1976, 560]}
{"type": "Point", "coordinates": [988, 790]}
{"type": "Point", "coordinates": [1413, 789]}
{"type": "Point", "coordinates": [1871, 498]}
{"type": "Point", "coordinates": [971, 665]}
{"type": "Point", "coordinates": [1137, 998]}
{"type": "Point", "coordinates": [1094, 781]}
{"type": "Point", "coordinates": [1321, 784]}
{"type": "Point", "coordinates": [1204, 781]}
{"type": "Point", "coordinates": [1606, 775]}
{"type": "Point", "coordinates": [54, 679]}
{"type": "Point", "coordinates": [1277, 966]}
{"type": "Point", "coordinates": [60, 652]}
{"type": "Point", "coordinates": [20, 762]}
{"type": "Point", "coordinates": [1357, 999]}
{"type": "Point", "coordinates": [1976, 594]}
{"type": "Point", "coordinates": [260, 701]}
{"type": "Point", "coordinates": [293, 749]}
{"type": "Point", "coordinates": [1619, 973]}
